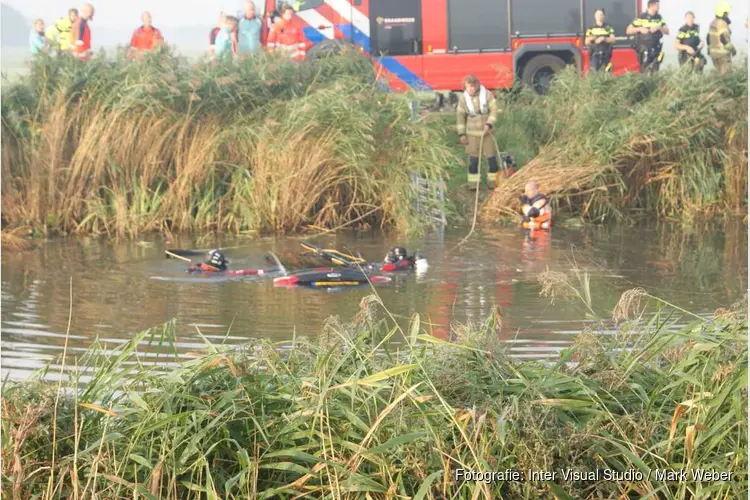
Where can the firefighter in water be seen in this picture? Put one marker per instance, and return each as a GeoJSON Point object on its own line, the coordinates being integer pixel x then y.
{"type": "Point", "coordinates": [476, 115]}
{"type": "Point", "coordinates": [537, 214]}
{"type": "Point", "coordinates": [600, 39]}
{"type": "Point", "coordinates": [287, 37]}
{"type": "Point", "coordinates": [689, 44]}
{"type": "Point", "coordinates": [649, 28]}
{"type": "Point", "coordinates": [720, 46]}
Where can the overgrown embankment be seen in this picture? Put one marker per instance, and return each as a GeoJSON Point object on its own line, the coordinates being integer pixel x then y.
{"type": "Point", "coordinates": [344, 417]}
{"type": "Point", "coordinates": [160, 145]}
{"type": "Point", "coordinates": [671, 145]}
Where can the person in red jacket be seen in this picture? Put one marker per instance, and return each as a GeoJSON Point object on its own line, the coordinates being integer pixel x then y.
{"type": "Point", "coordinates": [146, 38]}
{"type": "Point", "coordinates": [286, 37]}
{"type": "Point", "coordinates": [82, 33]}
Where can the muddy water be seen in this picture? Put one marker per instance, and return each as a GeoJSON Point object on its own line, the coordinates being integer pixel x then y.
{"type": "Point", "coordinates": [110, 290]}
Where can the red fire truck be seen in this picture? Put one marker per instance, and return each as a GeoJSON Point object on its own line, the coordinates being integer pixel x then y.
{"type": "Point", "coordinates": [433, 44]}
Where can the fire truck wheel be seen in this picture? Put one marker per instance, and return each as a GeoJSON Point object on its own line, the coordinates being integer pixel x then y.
{"type": "Point", "coordinates": [540, 70]}
{"type": "Point", "coordinates": [327, 48]}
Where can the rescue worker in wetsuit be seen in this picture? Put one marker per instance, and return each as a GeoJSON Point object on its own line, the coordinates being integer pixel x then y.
{"type": "Point", "coordinates": [535, 208]}
{"type": "Point", "coordinates": [476, 115]}
{"type": "Point", "coordinates": [600, 39]}
{"type": "Point", "coordinates": [719, 39]}
{"type": "Point", "coordinates": [215, 261]}
{"type": "Point", "coordinates": [649, 28]}
{"type": "Point", "coordinates": [60, 34]}
{"type": "Point", "coordinates": [689, 44]}
{"type": "Point", "coordinates": [398, 259]}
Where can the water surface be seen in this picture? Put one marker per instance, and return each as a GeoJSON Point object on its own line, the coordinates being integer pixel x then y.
{"type": "Point", "coordinates": [110, 290]}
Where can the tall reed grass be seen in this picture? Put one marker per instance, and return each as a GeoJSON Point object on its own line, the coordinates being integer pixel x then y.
{"type": "Point", "coordinates": [670, 145]}
{"type": "Point", "coordinates": [353, 415]}
{"type": "Point", "coordinates": [122, 147]}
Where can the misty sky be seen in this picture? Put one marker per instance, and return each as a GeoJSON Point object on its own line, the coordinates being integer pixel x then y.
{"type": "Point", "coordinates": [121, 14]}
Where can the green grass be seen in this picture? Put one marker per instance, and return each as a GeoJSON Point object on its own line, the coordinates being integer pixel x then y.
{"type": "Point", "coordinates": [167, 144]}
{"type": "Point", "coordinates": [353, 414]}
{"type": "Point", "coordinates": [672, 145]}
{"type": "Point", "coordinates": [124, 147]}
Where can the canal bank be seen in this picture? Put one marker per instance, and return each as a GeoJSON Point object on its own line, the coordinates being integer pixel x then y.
{"type": "Point", "coordinates": [266, 145]}
{"type": "Point", "coordinates": [342, 416]}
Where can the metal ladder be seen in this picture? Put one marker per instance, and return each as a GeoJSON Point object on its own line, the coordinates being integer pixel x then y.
{"type": "Point", "coordinates": [430, 201]}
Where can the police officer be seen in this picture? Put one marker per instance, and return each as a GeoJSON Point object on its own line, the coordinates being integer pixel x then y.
{"type": "Point", "coordinates": [600, 38]}
{"type": "Point", "coordinates": [689, 44]}
{"type": "Point", "coordinates": [649, 28]}
{"type": "Point", "coordinates": [719, 39]}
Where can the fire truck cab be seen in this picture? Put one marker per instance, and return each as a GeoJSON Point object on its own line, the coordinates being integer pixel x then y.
{"type": "Point", "coordinates": [433, 44]}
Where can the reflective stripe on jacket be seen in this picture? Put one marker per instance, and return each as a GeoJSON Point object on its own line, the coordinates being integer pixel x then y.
{"type": "Point", "coordinates": [473, 124]}
{"type": "Point", "coordinates": [652, 40]}
{"type": "Point", "coordinates": [60, 33]}
{"type": "Point", "coordinates": [288, 40]}
{"type": "Point", "coordinates": [719, 37]}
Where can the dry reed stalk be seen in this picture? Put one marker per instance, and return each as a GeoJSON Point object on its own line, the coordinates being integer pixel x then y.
{"type": "Point", "coordinates": [21, 430]}
{"type": "Point", "coordinates": [555, 285]}
{"type": "Point", "coordinates": [629, 305]}
{"type": "Point", "coordinates": [13, 242]}
{"type": "Point", "coordinates": [315, 189]}
{"type": "Point", "coordinates": [556, 180]}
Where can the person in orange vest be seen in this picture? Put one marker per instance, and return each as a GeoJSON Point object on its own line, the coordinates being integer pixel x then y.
{"type": "Point", "coordinates": [145, 38]}
{"type": "Point", "coordinates": [535, 208]}
{"type": "Point", "coordinates": [286, 37]}
{"type": "Point", "coordinates": [82, 33]}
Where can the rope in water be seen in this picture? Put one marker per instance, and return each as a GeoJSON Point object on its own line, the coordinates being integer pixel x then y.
{"type": "Point", "coordinates": [476, 196]}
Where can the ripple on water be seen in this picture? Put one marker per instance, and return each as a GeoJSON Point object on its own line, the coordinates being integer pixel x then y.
{"type": "Point", "coordinates": [122, 288]}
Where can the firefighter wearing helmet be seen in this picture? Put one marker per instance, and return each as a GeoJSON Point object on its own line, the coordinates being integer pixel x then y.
{"type": "Point", "coordinates": [719, 39]}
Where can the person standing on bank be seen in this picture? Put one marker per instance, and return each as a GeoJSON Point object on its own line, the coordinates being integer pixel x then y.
{"type": "Point", "coordinates": [248, 31]}
{"type": "Point", "coordinates": [689, 44]}
{"type": "Point", "coordinates": [37, 42]}
{"type": "Point", "coordinates": [600, 38]}
{"type": "Point", "coordinates": [476, 115]}
{"type": "Point", "coordinates": [720, 46]}
{"type": "Point", "coordinates": [60, 34]}
{"type": "Point", "coordinates": [81, 45]}
{"type": "Point", "coordinates": [146, 38]}
{"type": "Point", "coordinates": [649, 28]}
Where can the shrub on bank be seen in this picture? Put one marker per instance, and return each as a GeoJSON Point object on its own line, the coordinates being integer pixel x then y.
{"type": "Point", "coordinates": [669, 145]}
{"type": "Point", "coordinates": [122, 147]}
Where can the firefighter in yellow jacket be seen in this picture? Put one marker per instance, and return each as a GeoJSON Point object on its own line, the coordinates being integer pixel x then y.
{"type": "Point", "coordinates": [60, 34]}
{"type": "Point", "coordinates": [719, 39]}
{"type": "Point", "coordinates": [475, 116]}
